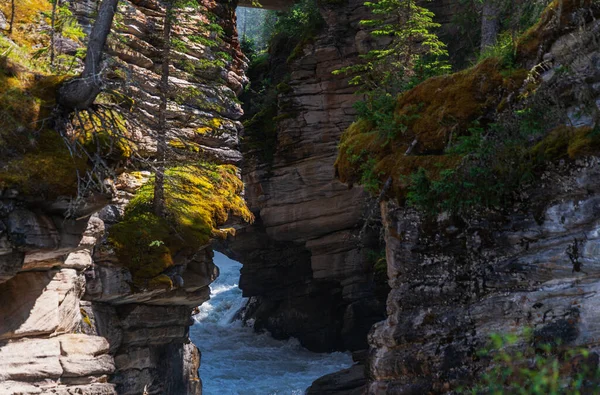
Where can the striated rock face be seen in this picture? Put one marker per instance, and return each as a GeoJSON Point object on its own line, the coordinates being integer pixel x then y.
{"type": "Point", "coordinates": [148, 328]}
{"type": "Point", "coordinates": [304, 263]}
{"type": "Point", "coordinates": [42, 346]}
{"type": "Point", "coordinates": [116, 341]}
{"type": "Point", "coordinates": [305, 260]}
{"type": "Point", "coordinates": [535, 265]}
{"type": "Point", "coordinates": [72, 321]}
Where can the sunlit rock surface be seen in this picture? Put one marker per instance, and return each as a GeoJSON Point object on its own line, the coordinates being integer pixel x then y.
{"type": "Point", "coordinates": [71, 319]}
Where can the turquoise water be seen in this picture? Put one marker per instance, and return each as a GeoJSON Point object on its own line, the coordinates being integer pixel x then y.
{"type": "Point", "coordinates": [235, 360]}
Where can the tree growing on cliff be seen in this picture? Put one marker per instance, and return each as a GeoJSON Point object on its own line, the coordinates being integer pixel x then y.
{"type": "Point", "coordinates": [80, 93]}
{"type": "Point", "coordinates": [413, 50]}
{"type": "Point", "coordinates": [158, 202]}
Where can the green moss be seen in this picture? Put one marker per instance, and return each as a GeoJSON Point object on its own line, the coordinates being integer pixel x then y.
{"type": "Point", "coordinates": [427, 117]}
{"type": "Point", "coordinates": [104, 133]}
{"type": "Point", "coordinates": [567, 142]}
{"type": "Point", "coordinates": [28, 13]}
{"type": "Point", "coordinates": [47, 170]}
{"type": "Point", "coordinates": [298, 50]}
{"type": "Point", "coordinates": [557, 19]}
{"type": "Point", "coordinates": [283, 87]}
{"type": "Point", "coordinates": [198, 200]}
{"type": "Point", "coordinates": [33, 158]}
{"type": "Point", "coordinates": [161, 281]}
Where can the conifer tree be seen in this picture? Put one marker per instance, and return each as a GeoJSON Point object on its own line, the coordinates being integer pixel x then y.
{"type": "Point", "coordinates": [161, 140]}
{"type": "Point", "coordinates": [391, 68]}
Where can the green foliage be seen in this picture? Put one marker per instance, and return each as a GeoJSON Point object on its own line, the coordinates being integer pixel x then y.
{"type": "Point", "coordinates": [504, 49]}
{"type": "Point", "coordinates": [410, 27]}
{"type": "Point", "coordinates": [301, 21]}
{"type": "Point", "coordinates": [497, 160]}
{"type": "Point", "coordinates": [66, 23]}
{"type": "Point", "coordinates": [500, 158]}
{"type": "Point", "coordinates": [255, 26]}
{"type": "Point", "coordinates": [179, 45]}
{"type": "Point", "coordinates": [536, 369]}
{"type": "Point", "coordinates": [200, 39]}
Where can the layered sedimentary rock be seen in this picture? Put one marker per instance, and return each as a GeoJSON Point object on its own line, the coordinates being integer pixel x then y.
{"type": "Point", "coordinates": [304, 262]}
{"type": "Point", "coordinates": [73, 320]}
{"type": "Point", "coordinates": [456, 281]}
{"type": "Point", "coordinates": [52, 341]}
{"type": "Point", "coordinates": [42, 346]}
{"type": "Point", "coordinates": [148, 328]}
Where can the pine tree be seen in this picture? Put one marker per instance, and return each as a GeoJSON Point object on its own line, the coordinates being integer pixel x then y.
{"type": "Point", "coordinates": [161, 140]}
{"type": "Point", "coordinates": [414, 48]}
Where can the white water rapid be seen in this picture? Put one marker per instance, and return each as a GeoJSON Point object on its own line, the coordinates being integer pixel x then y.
{"type": "Point", "coordinates": [235, 360]}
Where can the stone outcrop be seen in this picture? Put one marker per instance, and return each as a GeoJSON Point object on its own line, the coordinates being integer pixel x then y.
{"type": "Point", "coordinates": [304, 260]}
{"type": "Point", "coordinates": [456, 281]}
{"type": "Point", "coordinates": [117, 340]}
{"type": "Point", "coordinates": [42, 346]}
{"type": "Point", "coordinates": [72, 319]}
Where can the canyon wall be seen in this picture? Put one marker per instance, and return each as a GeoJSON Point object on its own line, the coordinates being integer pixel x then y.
{"type": "Point", "coordinates": [534, 265]}
{"type": "Point", "coordinates": [308, 259]}
{"type": "Point", "coordinates": [304, 260]}
{"type": "Point", "coordinates": [73, 319]}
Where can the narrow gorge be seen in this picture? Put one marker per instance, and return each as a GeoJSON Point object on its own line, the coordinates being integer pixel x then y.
{"type": "Point", "coordinates": [313, 199]}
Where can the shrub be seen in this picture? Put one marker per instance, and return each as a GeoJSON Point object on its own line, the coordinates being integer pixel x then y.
{"type": "Point", "coordinates": [536, 369]}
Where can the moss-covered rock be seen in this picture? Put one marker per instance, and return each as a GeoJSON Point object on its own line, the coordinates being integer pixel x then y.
{"type": "Point", "coordinates": [429, 117]}
{"type": "Point", "coordinates": [568, 142]}
{"type": "Point", "coordinates": [559, 18]}
{"type": "Point", "coordinates": [34, 158]}
{"type": "Point", "coordinates": [435, 115]}
{"type": "Point", "coordinates": [198, 200]}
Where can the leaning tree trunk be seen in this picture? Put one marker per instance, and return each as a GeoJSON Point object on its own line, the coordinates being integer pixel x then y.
{"type": "Point", "coordinates": [80, 93]}
{"type": "Point", "coordinates": [490, 23]}
{"type": "Point", "coordinates": [161, 138]}
{"type": "Point", "coordinates": [53, 31]}
{"type": "Point", "coordinates": [12, 17]}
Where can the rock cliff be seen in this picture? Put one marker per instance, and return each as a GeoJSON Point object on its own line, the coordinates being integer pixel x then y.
{"type": "Point", "coordinates": [74, 320]}
{"type": "Point", "coordinates": [457, 280]}
{"type": "Point", "coordinates": [307, 260]}
{"type": "Point", "coordinates": [304, 264]}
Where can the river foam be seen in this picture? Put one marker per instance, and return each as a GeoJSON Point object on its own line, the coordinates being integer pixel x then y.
{"type": "Point", "coordinates": [236, 360]}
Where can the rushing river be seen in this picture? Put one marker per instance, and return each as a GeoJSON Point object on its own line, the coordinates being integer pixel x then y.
{"type": "Point", "coordinates": [235, 360]}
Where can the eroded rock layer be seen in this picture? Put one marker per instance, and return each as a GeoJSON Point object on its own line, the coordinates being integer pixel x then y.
{"type": "Point", "coordinates": [73, 320]}
{"type": "Point", "coordinates": [304, 261]}
{"type": "Point", "coordinates": [456, 281]}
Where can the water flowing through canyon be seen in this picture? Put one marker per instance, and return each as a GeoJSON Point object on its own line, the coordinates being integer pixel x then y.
{"type": "Point", "coordinates": [236, 360]}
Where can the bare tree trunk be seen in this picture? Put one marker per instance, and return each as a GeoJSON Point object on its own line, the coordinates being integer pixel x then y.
{"type": "Point", "coordinates": [53, 31]}
{"type": "Point", "coordinates": [80, 93]}
{"type": "Point", "coordinates": [161, 139]}
{"type": "Point", "coordinates": [490, 23]}
{"type": "Point", "coordinates": [245, 22]}
{"type": "Point", "coordinates": [12, 17]}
